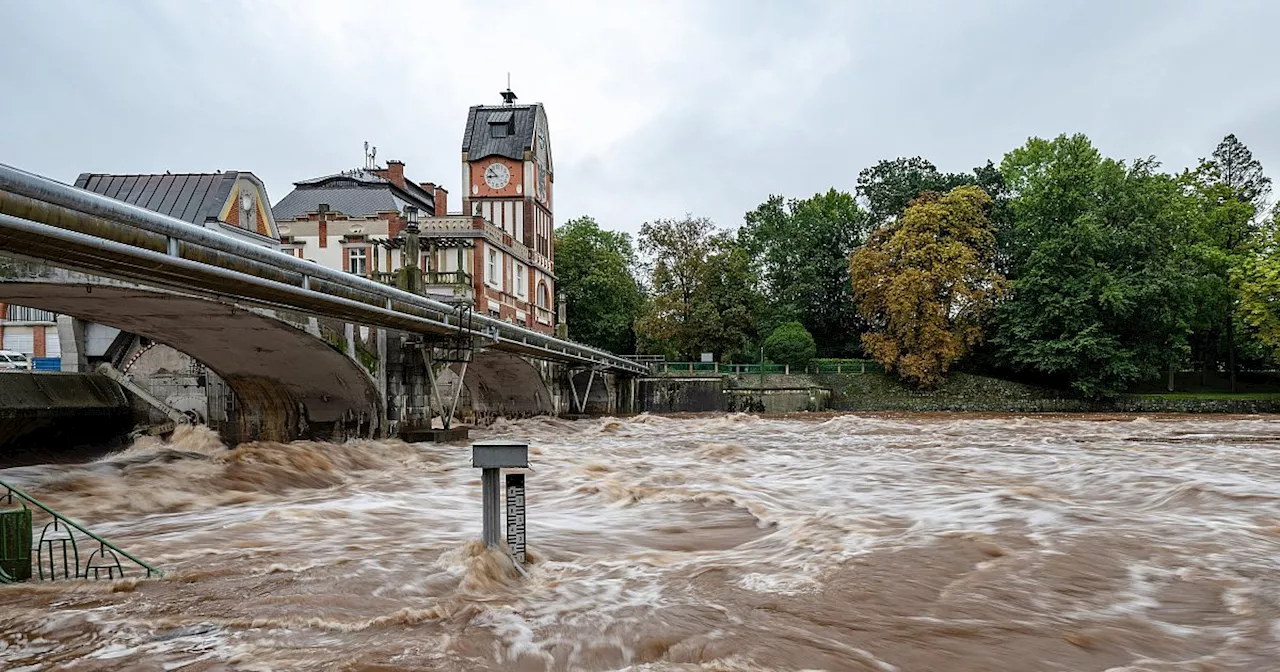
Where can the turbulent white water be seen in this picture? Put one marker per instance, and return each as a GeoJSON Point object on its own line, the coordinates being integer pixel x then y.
{"type": "Point", "coordinates": [713, 543]}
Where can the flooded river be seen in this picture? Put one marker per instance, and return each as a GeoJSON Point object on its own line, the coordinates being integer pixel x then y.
{"type": "Point", "coordinates": [730, 543]}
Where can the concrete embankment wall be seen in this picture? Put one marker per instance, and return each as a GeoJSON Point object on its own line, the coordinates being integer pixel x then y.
{"type": "Point", "coordinates": [52, 411]}
{"type": "Point", "coordinates": [780, 393]}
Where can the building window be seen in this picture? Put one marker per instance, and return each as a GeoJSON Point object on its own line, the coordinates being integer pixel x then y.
{"type": "Point", "coordinates": [502, 124]}
{"type": "Point", "coordinates": [357, 261]}
{"type": "Point", "coordinates": [491, 270]}
{"type": "Point", "coordinates": [544, 296]}
{"type": "Point", "coordinates": [519, 278]}
{"type": "Point", "coordinates": [25, 314]}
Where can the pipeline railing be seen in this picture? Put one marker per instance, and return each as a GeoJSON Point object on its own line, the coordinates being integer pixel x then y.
{"type": "Point", "coordinates": [57, 551]}
{"type": "Point", "coordinates": [38, 207]}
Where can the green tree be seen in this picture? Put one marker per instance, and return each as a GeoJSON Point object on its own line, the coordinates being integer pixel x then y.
{"type": "Point", "coordinates": [925, 282]}
{"type": "Point", "coordinates": [802, 247]}
{"type": "Point", "coordinates": [1258, 280]}
{"type": "Point", "coordinates": [1100, 298]}
{"type": "Point", "coordinates": [705, 293]}
{"type": "Point", "coordinates": [595, 270]}
{"type": "Point", "coordinates": [790, 344]}
{"type": "Point", "coordinates": [889, 186]}
{"type": "Point", "coordinates": [1230, 190]}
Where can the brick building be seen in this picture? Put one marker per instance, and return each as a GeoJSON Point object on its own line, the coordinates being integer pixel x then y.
{"type": "Point", "coordinates": [496, 253]}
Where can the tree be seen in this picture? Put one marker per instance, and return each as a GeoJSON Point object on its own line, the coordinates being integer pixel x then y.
{"type": "Point", "coordinates": [1100, 297]}
{"type": "Point", "coordinates": [889, 186]}
{"type": "Point", "coordinates": [1238, 170]}
{"type": "Point", "coordinates": [925, 282]}
{"type": "Point", "coordinates": [705, 294]}
{"type": "Point", "coordinates": [1231, 190]}
{"type": "Point", "coordinates": [802, 247]}
{"type": "Point", "coordinates": [790, 344]}
{"type": "Point", "coordinates": [1258, 280]}
{"type": "Point", "coordinates": [595, 270]}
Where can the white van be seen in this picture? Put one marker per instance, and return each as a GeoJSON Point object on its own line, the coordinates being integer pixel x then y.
{"type": "Point", "coordinates": [14, 360]}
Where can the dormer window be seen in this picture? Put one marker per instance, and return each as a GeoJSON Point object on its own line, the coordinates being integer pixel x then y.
{"type": "Point", "coordinates": [502, 124]}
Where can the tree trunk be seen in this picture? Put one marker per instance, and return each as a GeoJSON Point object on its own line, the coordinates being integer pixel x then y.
{"type": "Point", "coordinates": [1231, 351]}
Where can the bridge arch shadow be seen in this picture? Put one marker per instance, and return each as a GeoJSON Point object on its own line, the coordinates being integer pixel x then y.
{"type": "Point", "coordinates": [290, 383]}
{"type": "Point", "coordinates": [502, 384]}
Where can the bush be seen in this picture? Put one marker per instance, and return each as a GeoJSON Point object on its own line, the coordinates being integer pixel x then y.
{"type": "Point", "coordinates": [790, 344]}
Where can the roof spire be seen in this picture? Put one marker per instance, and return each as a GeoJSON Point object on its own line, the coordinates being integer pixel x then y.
{"type": "Point", "coordinates": [508, 96]}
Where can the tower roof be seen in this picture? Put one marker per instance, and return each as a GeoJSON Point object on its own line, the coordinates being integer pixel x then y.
{"type": "Point", "coordinates": [504, 130]}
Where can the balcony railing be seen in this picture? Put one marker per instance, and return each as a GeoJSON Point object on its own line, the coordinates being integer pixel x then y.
{"type": "Point", "coordinates": [428, 278]}
{"type": "Point", "coordinates": [447, 278]}
{"type": "Point", "coordinates": [491, 231]}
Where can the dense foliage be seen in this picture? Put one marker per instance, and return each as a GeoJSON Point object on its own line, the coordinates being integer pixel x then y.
{"type": "Point", "coordinates": [790, 344]}
{"type": "Point", "coordinates": [1055, 264]}
{"type": "Point", "coordinates": [802, 249]}
{"type": "Point", "coordinates": [596, 269]}
{"type": "Point", "coordinates": [705, 292]}
{"type": "Point", "coordinates": [926, 281]}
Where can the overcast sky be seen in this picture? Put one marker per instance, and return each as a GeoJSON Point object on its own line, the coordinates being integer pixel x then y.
{"type": "Point", "coordinates": [656, 108]}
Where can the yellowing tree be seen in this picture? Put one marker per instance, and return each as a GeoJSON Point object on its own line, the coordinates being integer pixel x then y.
{"type": "Point", "coordinates": [924, 282]}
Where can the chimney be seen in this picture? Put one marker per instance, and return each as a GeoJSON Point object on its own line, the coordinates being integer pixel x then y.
{"type": "Point", "coordinates": [394, 172]}
{"type": "Point", "coordinates": [441, 197]}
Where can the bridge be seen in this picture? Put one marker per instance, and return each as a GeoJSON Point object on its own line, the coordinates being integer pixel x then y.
{"type": "Point", "coordinates": [309, 351]}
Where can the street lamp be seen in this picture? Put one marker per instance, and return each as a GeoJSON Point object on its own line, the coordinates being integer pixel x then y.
{"type": "Point", "coordinates": [411, 249]}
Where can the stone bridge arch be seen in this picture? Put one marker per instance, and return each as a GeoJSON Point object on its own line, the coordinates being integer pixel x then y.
{"type": "Point", "coordinates": [291, 382]}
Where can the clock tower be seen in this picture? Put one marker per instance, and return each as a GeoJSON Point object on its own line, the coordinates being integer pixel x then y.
{"type": "Point", "coordinates": [507, 172]}
{"type": "Point", "coordinates": [507, 178]}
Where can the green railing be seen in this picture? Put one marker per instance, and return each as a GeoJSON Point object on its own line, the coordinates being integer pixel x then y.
{"type": "Point", "coordinates": [843, 366]}
{"type": "Point", "coordinates": [57, 550]}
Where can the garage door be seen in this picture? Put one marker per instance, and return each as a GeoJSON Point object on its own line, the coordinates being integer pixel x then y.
{"type": "Point", "coordinates": [20, 339]}
{"type": "Point", "coordinates": [52, 346]}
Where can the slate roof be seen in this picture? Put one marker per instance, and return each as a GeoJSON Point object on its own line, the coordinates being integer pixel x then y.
{"type": "Point", "coordinates": [478, 142]}
{"type": "Point", "coordinates": [192, 197]}
{"type": "Point", "coordinates": [355, 194]}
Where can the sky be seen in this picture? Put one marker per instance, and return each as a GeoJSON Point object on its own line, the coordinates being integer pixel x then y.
{"type": "Point", "coordinates": [657, 109]}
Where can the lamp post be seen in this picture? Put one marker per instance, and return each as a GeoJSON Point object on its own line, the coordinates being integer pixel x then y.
{"type": "Point", "coordinates": [411, 249]}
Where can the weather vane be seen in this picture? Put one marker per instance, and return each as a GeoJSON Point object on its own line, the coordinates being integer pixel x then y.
{"type": "Point", "coordinates": [508, 97]}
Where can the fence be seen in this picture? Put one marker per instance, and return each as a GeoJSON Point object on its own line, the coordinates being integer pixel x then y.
{"type": "Point", "coordinates": [58, 550]}
{"type": "Point", "coordinates": [841, 366]}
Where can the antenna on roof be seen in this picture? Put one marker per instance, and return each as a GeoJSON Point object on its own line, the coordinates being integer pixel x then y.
{"type": "Point", "coordinates": [370, 156]}
{"type": "Point", "coordinates": [508, 97]}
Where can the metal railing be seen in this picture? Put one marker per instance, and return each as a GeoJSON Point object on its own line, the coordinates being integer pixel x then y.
{"type": "Point", "coordinates": [62, 225]}
{"type": "Point", "coordinates": [841, 366]}
{"type": "Point", "coordinates": [57, 550]}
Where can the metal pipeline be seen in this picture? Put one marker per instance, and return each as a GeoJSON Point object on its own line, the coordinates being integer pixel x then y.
{"type": "Point", "coordinates": [43, 201]}
{"type": "Point", "coordinates": [123, 261]}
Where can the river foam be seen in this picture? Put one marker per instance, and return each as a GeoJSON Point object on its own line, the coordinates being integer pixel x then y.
{"type": "Point", "coordinates": [857, 542]}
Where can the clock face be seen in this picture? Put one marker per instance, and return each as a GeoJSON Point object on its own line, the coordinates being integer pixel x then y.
{"type": "Point", "coordinates": [497, 176]}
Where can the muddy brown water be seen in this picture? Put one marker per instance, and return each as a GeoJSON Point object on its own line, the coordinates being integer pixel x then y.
{"type": "Point", "coordinates": [890, 542]}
